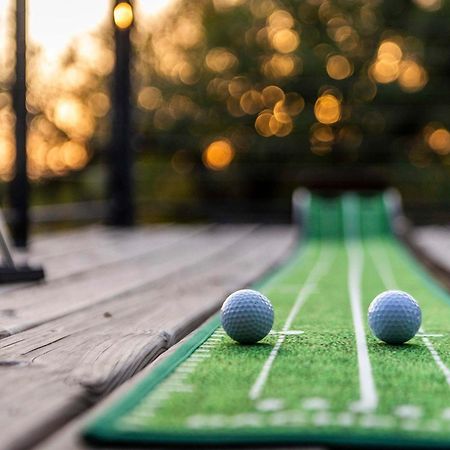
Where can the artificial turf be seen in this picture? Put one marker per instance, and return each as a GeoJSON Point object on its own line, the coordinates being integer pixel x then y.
{"type": "Point", "coordinates": [316, 389]}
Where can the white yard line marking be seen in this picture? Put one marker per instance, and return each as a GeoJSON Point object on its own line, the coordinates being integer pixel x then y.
{"type": "Point", "coordinates": [408, 412]}
{"type": "Point", "coordinates": [368, 394]}
{"type": "Point", "coordinates": [270, 404]}
{"type": "Point", "coordinates": [288, 332]}
{"type": "Point", "coordinates": [421, 334]}
{"type": "Point", "coordinates": [307, 289]}
{"type": "Point", "coordinates": [384, 269]}
{"type": "Point", "coordinates": [315, 404]}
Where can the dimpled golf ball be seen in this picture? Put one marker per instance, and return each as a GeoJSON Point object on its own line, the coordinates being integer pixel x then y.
{"type": "Point", "coordinates": [394, 317]}
{"type": "Point", "coordinates": [247, 316]}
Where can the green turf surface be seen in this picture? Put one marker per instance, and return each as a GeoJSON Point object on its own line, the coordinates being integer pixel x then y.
{"type": "Point", "coordinates": [320, 376]}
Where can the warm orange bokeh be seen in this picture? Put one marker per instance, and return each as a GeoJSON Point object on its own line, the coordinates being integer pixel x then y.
{"type": "Point", "coordinates": [339, 67]}
{"type": "Point", "coordinates": [439, 141]}
{"type": "Point", "coordinates": [218, 155]}
{"type": "Point", "coordinates": [327, 109]}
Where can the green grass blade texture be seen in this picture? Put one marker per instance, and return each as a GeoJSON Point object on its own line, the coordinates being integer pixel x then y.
{"type": "Point", "coordinates": [203, 392]}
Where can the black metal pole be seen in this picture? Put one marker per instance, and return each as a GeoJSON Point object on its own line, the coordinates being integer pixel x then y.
{"type": "Point", "coordinates": [120, 159]}
{"type": "Point", "coordinates": [19, 186]}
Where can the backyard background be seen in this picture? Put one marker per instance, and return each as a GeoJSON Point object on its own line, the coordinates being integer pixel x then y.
{"type": "Point", "coordinates": [235, 103]}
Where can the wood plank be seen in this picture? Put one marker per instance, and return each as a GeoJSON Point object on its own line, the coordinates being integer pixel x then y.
{"type": "Point", "coordinates": [98, 250]}
{"type": "Point", "coordinates": [430, 247]}
{"type": "Point", "coordinates": [60, 243]}
{"type": "Point", "coordinates": [69, 436]}
{"type": "Point", "coordinates": [59, 368]}
{"type": "Point", "coordinates": [37, 304]}
{"type": "Point", "coordinates": [120, 246]}
{"type": "Point", "coordinates": [81, 251]}
{"type": "Point", "coordinates": [434, 241]}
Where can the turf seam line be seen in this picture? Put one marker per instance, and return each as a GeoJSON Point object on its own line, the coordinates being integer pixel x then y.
{"type": "Point", "coordinates": [307, 289]}
{"type": "Point", "coordinates": [386, 273]}
{"type": "Point", "coordinates": [368, 394]}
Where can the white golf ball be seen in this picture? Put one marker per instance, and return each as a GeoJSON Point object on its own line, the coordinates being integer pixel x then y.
{"type": "Point", "coordinates": [247, 316]}
{"type": "Point", "coordinates": [394, 317]}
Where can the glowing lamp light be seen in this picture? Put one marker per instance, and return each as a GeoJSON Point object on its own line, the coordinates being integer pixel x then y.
{"type": "Point", "coordinates": [123, 15]}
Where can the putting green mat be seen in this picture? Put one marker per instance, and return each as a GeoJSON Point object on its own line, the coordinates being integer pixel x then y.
{"type": "Point", "coordinates": [320, 377]}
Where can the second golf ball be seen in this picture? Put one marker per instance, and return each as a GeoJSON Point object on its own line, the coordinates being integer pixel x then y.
{"type": "Point", "coordinates": [394, 317]}
{"type": "Point", "coordinates": [247, 316]}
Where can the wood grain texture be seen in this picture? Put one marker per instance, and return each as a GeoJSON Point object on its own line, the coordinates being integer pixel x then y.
{"type": "Point", "coordinates": [69, 436]}
{"type": "Point", "coordinates": [71, 360]}
{"type": "Point", "coordinates": [36, 304]}
{"type": "Point", "coordinates": [82, 253]}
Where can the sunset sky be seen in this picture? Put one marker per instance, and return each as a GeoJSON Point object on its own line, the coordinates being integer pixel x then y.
{"type": "Point", "coordinates": [53, 24]}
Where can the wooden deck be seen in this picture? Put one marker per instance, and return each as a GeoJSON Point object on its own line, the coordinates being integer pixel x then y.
{"type": "Point", "coordinates": [112, 303]}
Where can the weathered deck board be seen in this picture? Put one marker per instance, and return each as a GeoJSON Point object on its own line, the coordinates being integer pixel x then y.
{"type": "Point", "coordinates": [119, 247]}
{"type": "Point", "coordinates": [69, 436]}
{"type": "Point", "coordinates": [435, 242]}
{"type": "Point", "coordinates": [65, 364]}
{"type": "Point", "coordinates": [86, 253]}
{"type": "Point", "coordinates": [37, 304]}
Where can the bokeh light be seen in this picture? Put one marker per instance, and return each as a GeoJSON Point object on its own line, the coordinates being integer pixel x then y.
{"type": "Point", "coordinates": [218, 155]}
{"type": "Point", "coordinates": [438, 139]}
{"type": "Point", "coordinates": [262, 124]}
{"type": "Point", "coordinates": [327, 109]}
{"type": "Point", "coordinates": [413, 77]}
{"type": "Point", "coordinates": [325, 76]}
{"type": "Point", "coordinates": [386, 68]}
{"type": "Point", "coordinates": [73, 117]}
{"type": "Point", "coordinates": [74, 155]}
{"type": "Point", "coordinates": [339, 67]}
{"type": "Point", "coordinates": [7, 156]}
{"type": "Point", "coordinates": [321, 139]}
{"type": "Point", "coordinates": [150, 98]}
{"type": "Point", "coordinates": [220, 60]}
{"type": "Point", "coordinates": [429, 5]}
{"type": "Point", "coordinates": [271, 95]}
{"type": "Point", "coordinates": [251, 102]}
{"type": "Point", "coordinates": [285, 40]}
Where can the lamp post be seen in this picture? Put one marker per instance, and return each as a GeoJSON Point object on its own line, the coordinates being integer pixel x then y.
{"type": "Point", "coordinates": [19, 186]}
{"type": "Point", "coordinates": [120, 159]}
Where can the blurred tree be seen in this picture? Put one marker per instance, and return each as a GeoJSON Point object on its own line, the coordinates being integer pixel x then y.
{"type": "Point", "coordinates": [247, 96]}
{"type": "Point", "coordinates": [240, 101]}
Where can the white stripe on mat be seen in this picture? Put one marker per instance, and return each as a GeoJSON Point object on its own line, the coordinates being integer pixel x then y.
{"type": "Point", "coordinates": [368, 394]}
{"type": "Point", "coordinates": [319, 270]}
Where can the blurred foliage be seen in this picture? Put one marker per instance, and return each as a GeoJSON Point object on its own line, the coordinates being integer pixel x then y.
{"type": "Point", "coordinates": [240, 101]}
{"type": "Point", "coordinates": [280, 89]}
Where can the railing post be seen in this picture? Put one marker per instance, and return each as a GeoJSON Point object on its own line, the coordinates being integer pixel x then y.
{"type": "Point", "coordinates": [120, 158]}
{"type": "Point", "coordinates": [19, 186]}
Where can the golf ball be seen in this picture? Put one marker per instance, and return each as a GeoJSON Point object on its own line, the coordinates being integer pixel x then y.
{"type": "Point", "coordinates": [247, 316]}
{"type": "Point", "coordinates": [394, 317]}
